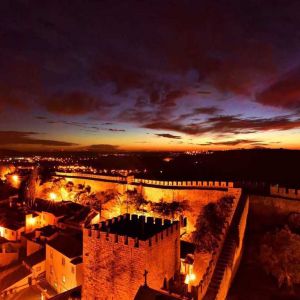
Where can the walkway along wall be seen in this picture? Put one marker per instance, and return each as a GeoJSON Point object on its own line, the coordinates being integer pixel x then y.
{"type": "Point", "coordinates": [232, 267]}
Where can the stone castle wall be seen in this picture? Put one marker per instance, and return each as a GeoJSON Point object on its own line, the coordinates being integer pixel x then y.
{"type": "Point", "coordinates": [114, 265]}
{"type": "Point", "coordinates": [266, 211]}
{"type": "Point", "coordinates": [195, 198]}
{"type": "Point", "coordinates": [196, 193]}
{"type": "Point", "coordinates": [276, 190]}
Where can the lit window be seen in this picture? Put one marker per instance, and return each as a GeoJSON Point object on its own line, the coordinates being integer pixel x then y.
{"type": "Point", "coordinates": [64, 279]}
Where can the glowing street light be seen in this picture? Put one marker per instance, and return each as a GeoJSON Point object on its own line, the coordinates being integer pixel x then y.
{"type": "Point", "coordinates": [15, 178]}
{"type": "Point", "coordinates": [192, 277]}
{"type": "Point", "coordinates": [189, 278]}
{"type": "Point", "coordinates": [53, 196]}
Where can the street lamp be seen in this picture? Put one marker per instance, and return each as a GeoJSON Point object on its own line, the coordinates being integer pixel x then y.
{"type": "Point", "coordinates": [15, 178]}
{"type": "Point", "coordinates": [53, 196]}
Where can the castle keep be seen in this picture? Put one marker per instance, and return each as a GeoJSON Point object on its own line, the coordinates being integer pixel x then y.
{"type": "Point", "coordinates": [125, 252]}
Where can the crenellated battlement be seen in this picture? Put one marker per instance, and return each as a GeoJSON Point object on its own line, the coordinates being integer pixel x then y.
{"type": "Point", "coordinates": [276, 190]}
{"type": "Point", "coordinates": [133, 230]}
{"type": "Point", "coordinates": [159, 183]}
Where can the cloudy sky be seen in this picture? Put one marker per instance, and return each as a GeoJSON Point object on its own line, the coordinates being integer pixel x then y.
{"type": "Point", "coordinates": [149, 75]}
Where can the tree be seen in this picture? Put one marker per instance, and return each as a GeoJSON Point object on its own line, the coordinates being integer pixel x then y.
{"type": "Point", "coordinates": [210, 223]}
{"type": "Point", "coordinates": [136, 200]}
{"type": "Point", "coordinates": [170, 209]}
{"type": "Point", "coordinates": [30, 187]}
{"type": "Point", "coordinates": [280, 256]}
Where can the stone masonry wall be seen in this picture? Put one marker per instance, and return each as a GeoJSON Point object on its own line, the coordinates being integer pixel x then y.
{"type": "Point", "coordinates": [114, 269]}
{"type": "Point", "coordinates": [276, 190]}
{"type": "Point", "coordinates": [197, 193]}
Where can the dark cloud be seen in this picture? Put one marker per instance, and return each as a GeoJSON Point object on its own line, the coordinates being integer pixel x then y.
{"type": "Point", "coordinates": [28, 138]}
{"type": "Point", "coordinates": [116, 130]}
{"type": "Point", "coordinates": [172, 97]}
{"type": "Point", "coordinates": [123, 77]}
{"type": "Point", "coordinates": [283, 93]}
{"type": "Point", "coordinates": [228, 124]}
{"type": "Point", "coordinates": [237, 124]}
{"type": "Point", "coordinates": [40, 118]}
{"type": "Point", "coordinates": [102, 148]}
{"type": "Point", "coordinates": [20, 82]}
{"type": "Point", "coordinates": [150, 57]}
{"type": "Point", "coordinates": [85, 126]}
{"type": "Point", "coordinates": [74, 103]}
{"type": "Point", "coordinates": [169, 136]}
{"type": "Point", "coordinates": [233, 143]}
{"type": "Point", "coordinates": [210, 110]}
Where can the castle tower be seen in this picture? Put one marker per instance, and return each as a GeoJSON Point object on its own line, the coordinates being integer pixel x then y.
{"type": "Point", "coordinates": [123, 252]}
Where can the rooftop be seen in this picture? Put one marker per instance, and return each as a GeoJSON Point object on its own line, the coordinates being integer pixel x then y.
{"type": "Point", "coordinates": [146, 293]}
{"type": "Point", "coordinates": [69, 246]}
{"type": "Point", "coordinates": [35, 258]}
{"type": "Point", "coordinates": [59, 209]}
{"type": "Point", "coordinates": [12, 218]}
{"type": "Point", "coordinates": [134, 226]}
{"type": "Point", "coordinates": [74, 293]}
{"type": "Point", "coordinates": [14, 276]}
{"type": "Point", "coordinates": [76, 260]}
{"type": "Point", "coordinates": [186, 248]}
{"type": "Point", "coordinates": [46, 231]}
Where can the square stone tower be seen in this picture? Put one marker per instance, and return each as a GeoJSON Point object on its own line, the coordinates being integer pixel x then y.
{"type": "Point", "coordinates": [121, 253]}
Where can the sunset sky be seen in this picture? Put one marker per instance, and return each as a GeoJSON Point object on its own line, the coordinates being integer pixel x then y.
{"type": "Point", "coordinates": [149, 75]}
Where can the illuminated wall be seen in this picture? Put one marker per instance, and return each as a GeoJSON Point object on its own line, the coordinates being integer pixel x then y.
{"type": "Point", "coordinates": [114, 265]}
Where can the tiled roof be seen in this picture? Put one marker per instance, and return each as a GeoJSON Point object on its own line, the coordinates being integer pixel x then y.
{"type": "Point", "coordinates": [13, 277]}
{"type": "Point", "coordinates": [35, 258]}
{"type": "Point", "coordinates": [70, 294]}
{"type": "Point", "coordinates": [146, 293]}
{"type": "Point", "coordinates": [76, 260]}
{"type": "Point", "coordinates": [186, 248]}
{"type": "Point", "coordinates": [68, 245]}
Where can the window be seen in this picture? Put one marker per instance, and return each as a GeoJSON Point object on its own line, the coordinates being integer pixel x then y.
{"type": "Point", "coordinates": [64, 279]}
{"type": "Point", "coordinates": [12, 233]}
{"type": "Point", "coordinates": [51, 254]}
{"type": "Point", "coordinates": [51, 270]}
{"type": "Point", "coordinates": [38, 268]}
{"type": "Point", "coordinates": [72, 270]}
{"type": "Point", "coordinates": [63, 261]}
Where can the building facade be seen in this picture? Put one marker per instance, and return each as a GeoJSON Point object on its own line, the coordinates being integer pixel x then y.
{"type": "Point", "coordinates": [64, 263]}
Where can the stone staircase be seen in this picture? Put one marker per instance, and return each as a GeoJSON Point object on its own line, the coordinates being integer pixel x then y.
{"type": "Point", "coordinates": [227, 252]}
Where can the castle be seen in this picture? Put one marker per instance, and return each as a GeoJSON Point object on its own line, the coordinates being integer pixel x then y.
{"type": "Point", "coordinates": [123, 253]}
